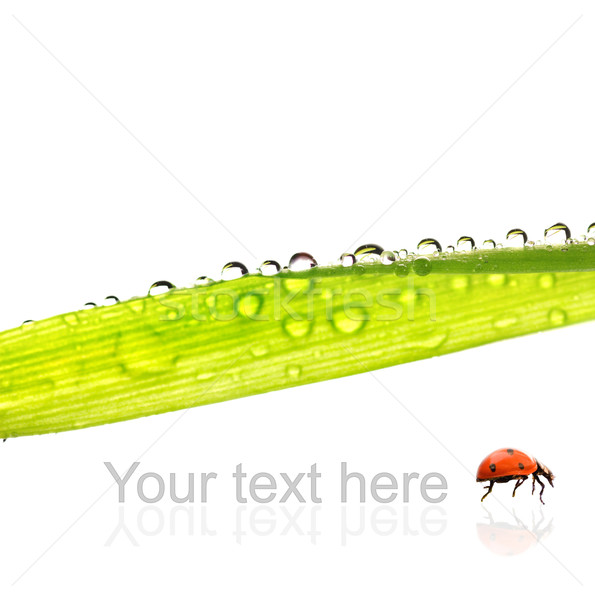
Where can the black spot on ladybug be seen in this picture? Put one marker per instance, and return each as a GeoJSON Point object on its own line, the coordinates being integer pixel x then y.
{"type": "Point", "coordinates": [510, 451]}
{"type": "Point", "coordinates": [521, 466]}
{"type": "Point", "coordinates": [492, 467]}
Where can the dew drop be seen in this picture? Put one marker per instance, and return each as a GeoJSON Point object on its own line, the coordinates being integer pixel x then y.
{"type": "Point", "coordinates": [422, 266]}
{"type": "Point", "coordinates": [160, 287]}
{"type": "Point", "coordinates": [403, 253]}
{"type": "Point", "coordinates": [459, 282]}
{"type": "Point", "coordinates": [27, 324]}
{"type": "Point", "coordinates": [547, 280]}
{"type": "Point", "coordinates": [89, 305]}
{"type": "Point", "coordinates": [295, 328]}
{"type": "Point", "coordinates": [402, 270]}
{"type": "Point", "coordinates": [497, 279]}
{"type": "Point", "coordinates": [465, 243]}
{"type": "Point", "coordinates": [233, 270]}
{"type": "Point", "coordinates": [557, 317]}
{"type": "Point", "coordinates": [557, 234]}
{"type": "Point", "coordinates": [351, 321]}
{"type": "Point", "coordinates": [429, 246]}
{"type": "Point", "coordinates": [516, 238]}
{"type": "Point", "coordinates": [259, 350]}
{"type": "Point", "coordinates": [347, 260]}
{"type": "Point", "coordinates": [269, 268]}
{"type": "Point", "coordinates": [591, 228]}
{"type": "Point", "coordinates": [387, 257]}
{"type": "Point", "coordinates": [591, 241]}
{"type": "Point", "coordinates": [71, 319]}
{"type": "Point", "coordinates": [505, 321]}
{"type": "Point", "coordinates": [294, 372]}
{"type": "Point", "coordinates": [204, 376]}
{"type": "Point", "coordinates": [489, 244]}
{"type": "Point", "coordinates": [203, 280]}
{"type": "Point", "coordinates": [367, 249]}
{"type": "Point", "coordinates": [449, 249]}
{"type": "Point", "coordinates": [110, 300]}
{"type": "Point", "coordinates": [250, 305]}
{"type": "Point", "coordinates": [302, 261]}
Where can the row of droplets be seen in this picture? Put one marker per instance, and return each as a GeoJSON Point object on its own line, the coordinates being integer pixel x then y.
{"type": "Point", "coordinates": [375, 254]}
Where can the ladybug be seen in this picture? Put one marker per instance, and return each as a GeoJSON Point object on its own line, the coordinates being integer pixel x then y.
{"type": "Point", "coordinates": [507, 464]}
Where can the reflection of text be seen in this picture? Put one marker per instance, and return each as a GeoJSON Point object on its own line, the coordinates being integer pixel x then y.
{"type": "Point", "coordinates": [342, 525]}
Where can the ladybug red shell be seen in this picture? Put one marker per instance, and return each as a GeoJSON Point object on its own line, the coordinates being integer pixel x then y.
{"type": "Point", "coordinates": [507, 464]}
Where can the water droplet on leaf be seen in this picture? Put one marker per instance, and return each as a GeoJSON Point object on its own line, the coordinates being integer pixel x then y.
{"type": "Point", "coordinates": [557, 317]}
{"type": "Point", "coordinates": [465, 243]}
{"type": "Point", "coordinates": [429, 246]}
{"type": "Point", "coordinates": [160, 287]}
{"type": "Point", "coordinates": [387, 257]}
{"type": "Point", "coordinates": [516, 238]}
{"type": "Point", "coordinates": [294, 372]}
{"type": "Point", "coordinates": [422, 266]}
{"type": "Point", "coordinates": [269, 268]}
{"type": "Point", "coordinates": [557, 234]}
{"type": "Point", "coordinates": [302, 261]}
{"type": "Point", "coordinates": [233, 270]}
{"type": "Point", "coordinates": [203, 280]}
{"type": "Point", "coordinates": [347, 260]}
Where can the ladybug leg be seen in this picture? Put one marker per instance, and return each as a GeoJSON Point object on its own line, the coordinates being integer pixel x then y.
{"type": "Point", "coordinates": [489, 488]}
{"type": "Point", "coordinates": [518, 484]}
{"type": "Point", "coordinates": [536, 478]}
{"type": "Point", "coordinates": [533, 488]}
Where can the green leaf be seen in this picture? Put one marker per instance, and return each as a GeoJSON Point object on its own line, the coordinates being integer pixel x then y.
{"type": "Point", "coordinates": [257, 334]}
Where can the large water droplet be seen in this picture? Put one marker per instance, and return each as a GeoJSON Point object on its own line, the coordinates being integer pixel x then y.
{"type": "Point", "coordinates": [302, 261]}
{"type": "Point", "coordinates": [489, 244]}
{"type": "Point", "coordinates": [516, 238]}
{"type": "Point", "coordinates": [557, 234]}
{"type": "Point", "coordinates": [349, 321]}
{"type": "Point", "coordinates": [422, 266]}
{"type": "Point", "coordinates": [557, 317]}
{"type": "Point", "coordinates": [591, 228]}
{"type": "Point", "coordinates": [110, 300]}
{"type": "Point", "coordinates": [465, 243]}
{"type": "Point", "coordinates": [295, 328]}
{"type": "Point", "coordinates": [429, 246]}
{"type": "Point", "coordinates": [269, 268]}
{"type": "Point", "coordinates": [160, 287]}
{"type": "Point", "coordinates": [233, 270]}
{"type": "Point", "coordinates": [250, 305]}
{"type": "Point", "coordinates": [366, 249]}
{"type": "Point", "coordinates": [387, 257]}
{"type": "Point", "coordinates": [497, 279]}
{"type": "Point", "coordinates": [368, 254]}
{"type": "Point", "coordinates": [347, 260]}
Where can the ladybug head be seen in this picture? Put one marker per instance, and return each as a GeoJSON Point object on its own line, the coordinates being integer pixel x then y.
{"type": "Point", "coordinates": [543, 470]}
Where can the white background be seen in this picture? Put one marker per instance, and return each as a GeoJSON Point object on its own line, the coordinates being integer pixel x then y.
{"type": "Point", "coordinates": [146, 141]}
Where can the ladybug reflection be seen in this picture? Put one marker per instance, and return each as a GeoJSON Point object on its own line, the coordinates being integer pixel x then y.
{"type": "Point", "coordinates": [510, 539]}
{"type": "Point", "coordinates": [506, 464]}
